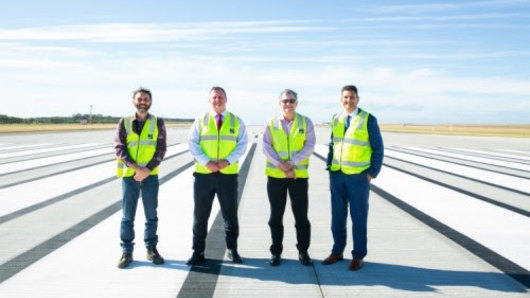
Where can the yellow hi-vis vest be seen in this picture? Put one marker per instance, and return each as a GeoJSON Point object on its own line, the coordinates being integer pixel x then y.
{"type": "Point", "coordinates": [351, 149]}
{"type": "Point", "coordinates": [287, 145]}
{"type": "Point", "coordinates": [218, 144]}
{"type": "Point", "coordinates": [141, 148]}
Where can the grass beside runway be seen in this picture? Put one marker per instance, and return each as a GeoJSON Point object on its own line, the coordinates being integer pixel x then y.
{"type": "Point", "coordinates": [498, 130]}
{"type": "Point", "coordinates": [16, 128]}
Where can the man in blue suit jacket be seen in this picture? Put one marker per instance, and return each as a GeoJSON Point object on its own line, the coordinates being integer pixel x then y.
{"type": "Point", "coordinates": [355, 157]}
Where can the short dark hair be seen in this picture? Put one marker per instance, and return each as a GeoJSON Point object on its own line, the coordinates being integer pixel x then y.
{"type": "Point", "coordinates": [291, 92]}
{"type": "Point", "coordinates": [217, 88]}
{"type": "Point", "coordinates": [143, 90]}
{"type": "Point", "coordinates": [350, 88]}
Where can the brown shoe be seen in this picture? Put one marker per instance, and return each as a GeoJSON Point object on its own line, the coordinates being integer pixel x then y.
{"type": "Point", "coordinates": [356, 264]}
{"type": "Point", "coordinates": [332, 259]}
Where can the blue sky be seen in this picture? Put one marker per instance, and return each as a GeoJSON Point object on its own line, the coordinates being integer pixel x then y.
{"type": "Point", "coordinates": [413, 61]}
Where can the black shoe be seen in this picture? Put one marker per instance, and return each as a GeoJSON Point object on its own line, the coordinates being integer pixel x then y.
{"type": "Point", "coordinates": [304, 258]}
{"type": "Point", "coordinates": [234, 256]}
{"type": "Point", "coordinates": [125, 260]}
{"type": "Point", "coordinates": [196, 258]}
{"type": "Point", "coordinates": [275, 260]}
{"type": "Point", "coordinates": [154, 256]}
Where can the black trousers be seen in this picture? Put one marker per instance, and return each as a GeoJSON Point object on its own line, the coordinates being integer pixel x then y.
{"type": "Point", "coordinates": [277, 189]}
{"type": "Point", "coordinates": [205, 187]}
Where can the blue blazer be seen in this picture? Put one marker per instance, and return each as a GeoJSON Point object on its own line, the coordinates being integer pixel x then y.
{"type": "Point", "coordinates": [376, 142]}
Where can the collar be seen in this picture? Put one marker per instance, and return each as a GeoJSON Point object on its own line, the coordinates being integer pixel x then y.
{"type": "Point", "coordinates": [214, 114]}
{"type": "Point", "coordinates": [282, 118]}
{"type": "Point", "coordinates": [146, 117]}
{"type": "Point", "coordinates": [353, 114]}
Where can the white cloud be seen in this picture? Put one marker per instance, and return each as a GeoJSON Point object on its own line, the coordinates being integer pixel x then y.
{"type": "Point", "coordinates": [59, 71]}
{"type": "Point", "coordinates": [142, 33]}
{"type": "Point", "coordinates": [30, 50]}
{"type": "Point", "coordinates": [180, 88]}
{"type": "Point", "coordinates": [441, 7]}
{"type": "Point", "coordinates": [435, 18]}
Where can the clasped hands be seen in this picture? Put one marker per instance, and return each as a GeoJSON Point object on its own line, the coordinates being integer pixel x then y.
{"type": "Point", "coordinates": [216, 166]}
{"type": "Point", "coordinates": [287, 168]}
{"type": "Point", "coordinates": [141, 173]}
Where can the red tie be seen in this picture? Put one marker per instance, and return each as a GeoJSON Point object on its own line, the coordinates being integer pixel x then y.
{"type": "Point", "coordinates": [219, 121]}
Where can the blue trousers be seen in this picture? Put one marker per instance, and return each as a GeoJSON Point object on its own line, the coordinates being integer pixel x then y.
{"type": "Point", "coordinates": [352, 190]}
{"type": "Point", "coordinates": [131, 192]}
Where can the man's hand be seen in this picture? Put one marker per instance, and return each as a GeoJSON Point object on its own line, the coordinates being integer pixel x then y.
{"type": "Point", "coordinates": [369, 177]}
{"type": "Point", "coordinates": [141, 173]}
{"type": "Point", "coordinates": [212, 166]}
{"type": "Point", "coordinates": [222, 164]}
{"type": "Point", "coordinates": [285, 166]}
{"type": "Point", "coordinates": [290, 174]}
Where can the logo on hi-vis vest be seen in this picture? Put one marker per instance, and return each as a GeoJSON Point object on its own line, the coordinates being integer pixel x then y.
{"type": "Point", "coordinates": [301, 130]}
{"type": "Point", "coordinates": [150, 136]}
{"type": "Point", "coordinates": [232, 131]}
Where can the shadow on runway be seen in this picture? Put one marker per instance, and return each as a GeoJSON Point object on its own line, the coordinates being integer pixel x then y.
{"type": "Point", "coordinates": [400, 277]}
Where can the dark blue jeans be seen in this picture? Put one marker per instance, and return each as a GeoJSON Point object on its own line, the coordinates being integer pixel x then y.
{"type": "Point", "coordinates": [131, 192]}
{"type": "Point", "coordinates": [352, 190]}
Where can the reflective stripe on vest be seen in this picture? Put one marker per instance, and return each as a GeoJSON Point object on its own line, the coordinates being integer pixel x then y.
{"type": "Point", "coordinates": [141, 148]}
{"type": "Point", "coordinates": [351, 149]}
{"type": "Point", "coordinates": [218, 144]}
{"type": "Point", "coordinates": [288, 145]}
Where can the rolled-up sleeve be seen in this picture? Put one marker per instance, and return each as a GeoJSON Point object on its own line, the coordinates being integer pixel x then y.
{"type": "Point", "coordinates": [120, 144]}
{"type": "Point", "coordinates": [161, 146]}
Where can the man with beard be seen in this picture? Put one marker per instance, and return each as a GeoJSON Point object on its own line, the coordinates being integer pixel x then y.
{"type": "Point", "coordinates": [140, 147]}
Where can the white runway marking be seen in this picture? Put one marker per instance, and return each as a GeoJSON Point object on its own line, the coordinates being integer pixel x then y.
{"type": "Point", "coordinates": [86, 265]}
{"type": "Point", "coordinates": [513, 165]}
{"type": "Point", "coordinates": [516, 151]}
{"type": "Point", "coordinates": [45, 150]}
{"type": "Point", "coordinates": [507, 234]}
{"type": "Point", "coordinates": [494, 153]}
{"type": "Point", "coordinates": [23, 195]}
{"type": "Point", "coordinates": [78, 257]}
{"type": "Point", "coordinates": [44, 161]}
{"type": "Point", "coordinates": [478, 174]}
{"type": "Point", "coordinates": [94, 255]}
{"type": "Point", "coordinates": [10, 147]}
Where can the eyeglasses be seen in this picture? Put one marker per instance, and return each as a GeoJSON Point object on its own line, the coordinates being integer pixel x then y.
{"type": "Point", "coordinates": [285, 101]}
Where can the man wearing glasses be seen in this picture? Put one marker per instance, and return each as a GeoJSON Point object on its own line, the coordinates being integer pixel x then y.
{"type": "Point", "coordinates": [288, 142]}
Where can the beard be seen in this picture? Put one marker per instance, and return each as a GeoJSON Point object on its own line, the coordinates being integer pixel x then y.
{"type": "Point", "coordinates": [142, 107]}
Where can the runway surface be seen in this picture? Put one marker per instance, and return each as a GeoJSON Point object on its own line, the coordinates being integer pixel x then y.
{"type": "Point", "coordinates": [449, 216]}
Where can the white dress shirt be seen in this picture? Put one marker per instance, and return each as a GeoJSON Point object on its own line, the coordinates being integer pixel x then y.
{"type": "Point", "coordinates": [195, 148]}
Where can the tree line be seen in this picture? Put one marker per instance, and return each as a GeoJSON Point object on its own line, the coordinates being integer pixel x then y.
{"type": "Point", "coordinates": [76, 118]}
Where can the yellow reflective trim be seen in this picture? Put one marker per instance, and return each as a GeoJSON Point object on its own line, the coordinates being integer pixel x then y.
{"type": "Point", "coordinates": [355, 164]}
{"type": "Point", "coordinates": [208, 138]}
{"type": "Point", "coordinates": [227, 138]}
{"type": "Point", "coordinates": [147, 142]}
{"type": "Point", "coordinates": [356, 142]}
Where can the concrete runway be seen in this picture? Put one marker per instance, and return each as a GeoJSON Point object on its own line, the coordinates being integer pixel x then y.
{"type": "Point", "coordinates": [449, 216]}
